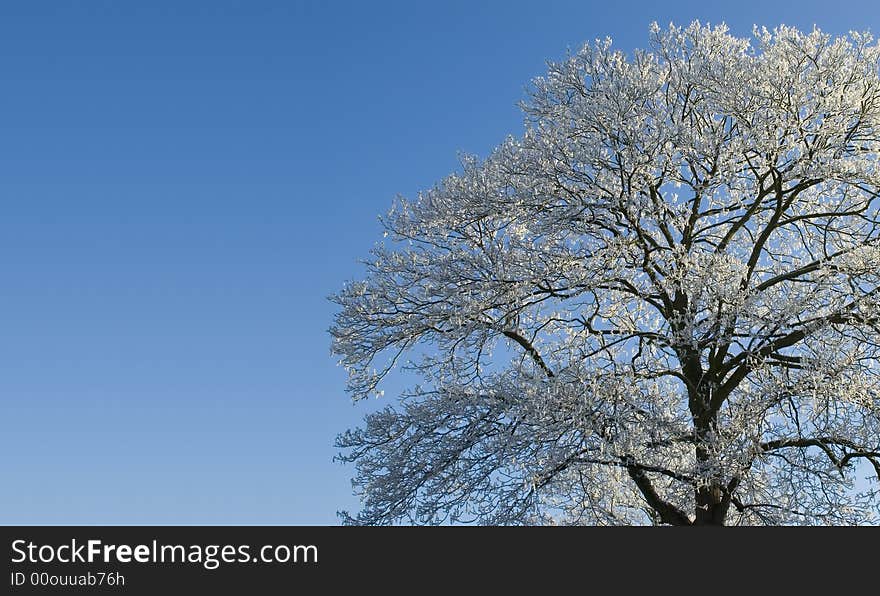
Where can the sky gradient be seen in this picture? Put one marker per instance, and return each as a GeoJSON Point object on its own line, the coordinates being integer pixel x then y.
{"type": "Point", "coordinates": [183, 184]}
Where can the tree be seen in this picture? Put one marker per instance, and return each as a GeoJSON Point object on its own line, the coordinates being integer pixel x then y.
{"type": "Point", "coordinates": [659, 305]}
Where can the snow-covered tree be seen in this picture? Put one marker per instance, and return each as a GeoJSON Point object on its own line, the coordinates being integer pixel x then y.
{"type": "Point", "coordinates": [659, 305]}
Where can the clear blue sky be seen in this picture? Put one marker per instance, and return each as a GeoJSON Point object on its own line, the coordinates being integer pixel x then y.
{"type": "Point", "coordinates": [182, 185]}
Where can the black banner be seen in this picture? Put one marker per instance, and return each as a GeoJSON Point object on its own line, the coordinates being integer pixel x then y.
{"type": "Point", "coordinates": [289, 560]}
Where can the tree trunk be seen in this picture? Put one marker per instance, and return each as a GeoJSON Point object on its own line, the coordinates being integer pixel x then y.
{"type": "Point", "coordinates": [710, 507]}
{"type": "Point", "coordinates": [711, 500]}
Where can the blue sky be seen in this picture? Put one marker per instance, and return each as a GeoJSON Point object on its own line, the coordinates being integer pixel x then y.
{"type": "Point", "coordinates": [181, 187]}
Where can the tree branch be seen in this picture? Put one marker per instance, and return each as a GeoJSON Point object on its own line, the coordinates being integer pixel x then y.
{"type": "Point", "coordinates": [530, 350]}
{"type": "Point", "coordinates": [669, 514]}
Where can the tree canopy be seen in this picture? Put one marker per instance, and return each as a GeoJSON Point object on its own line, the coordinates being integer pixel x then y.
{"type": "Point", "coordinates": [659, 304]}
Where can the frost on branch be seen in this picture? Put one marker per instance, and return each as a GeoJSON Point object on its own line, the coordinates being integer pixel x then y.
{"type": "Point", "coordinates": [659, 305]}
